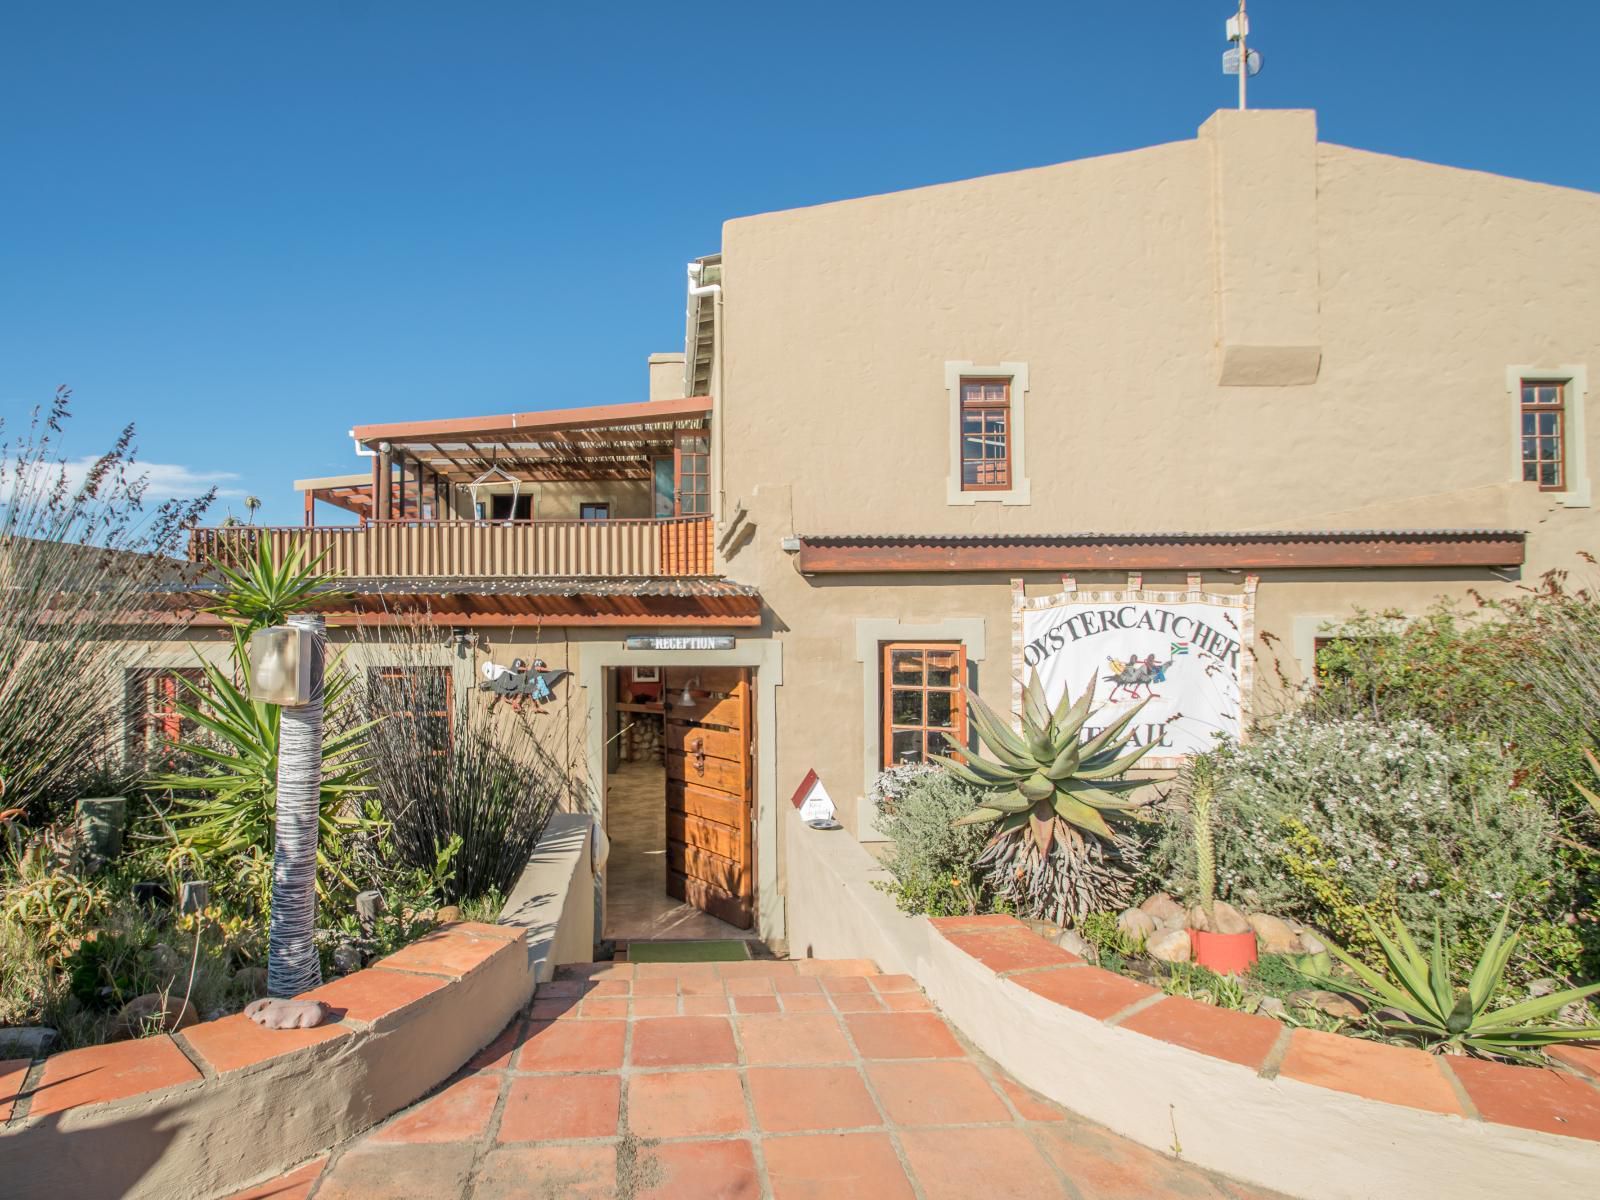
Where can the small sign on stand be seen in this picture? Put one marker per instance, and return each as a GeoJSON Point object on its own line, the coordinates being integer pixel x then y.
{"type": "Point", "coordinates": [815, 805]}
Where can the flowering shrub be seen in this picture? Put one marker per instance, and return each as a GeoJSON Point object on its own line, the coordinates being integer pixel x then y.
{"type": "Point", "coordinates": [931, 859]}
{"type": "Point", "coordinates": [1317, 819]}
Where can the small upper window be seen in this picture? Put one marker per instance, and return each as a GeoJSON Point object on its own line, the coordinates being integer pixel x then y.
{"type": "Point", "coordinates": [694, 475]}
{"type": "Point", "coordinates": [594, 512]}
{"type": "Point", "coordinates": [985, 435]}
{"type": "Point", "coordinates": [1544, 441]}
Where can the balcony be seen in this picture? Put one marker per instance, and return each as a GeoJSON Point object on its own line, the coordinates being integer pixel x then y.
{"type": "Point", "coordinates": [672, 547]}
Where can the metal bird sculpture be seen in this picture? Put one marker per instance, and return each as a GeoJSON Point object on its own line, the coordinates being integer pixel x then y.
{"type": "Point", "coordinates": [519, 683]}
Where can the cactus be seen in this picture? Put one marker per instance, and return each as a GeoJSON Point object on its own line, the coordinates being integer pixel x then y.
{"type": "Point", "coordinates": [1202, 814]}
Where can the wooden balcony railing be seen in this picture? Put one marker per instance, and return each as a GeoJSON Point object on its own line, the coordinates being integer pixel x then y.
{"type": "Point", "coordinates": [398, 549]}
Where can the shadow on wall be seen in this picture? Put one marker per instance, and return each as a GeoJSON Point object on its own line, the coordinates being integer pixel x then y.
{"type": "Point", "coordinates": [102, 1162]}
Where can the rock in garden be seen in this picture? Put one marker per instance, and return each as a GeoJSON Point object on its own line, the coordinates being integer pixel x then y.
{"type": "Point", "coordinates": [1147, 971]}
{"type": "Point", "coordinates": [1162, 907]}
{"type": "Point", "coordinates": [167, 961]}
{"type": "Point", "coordinates": [447, 914]}
{"type": "Point", "coordinates": [1228, 919]}
{"type": "Point", "coordinates": [1310, 943]}
{"type": "Point", "coordinates": [1271, 1006]}
{"type": "Point", "coordinates": [1576, 1013]}
{"type": "Point", "coordinates": [252, 981]}
{"type": "Point", "coordinates": [26, 1041]}
{"type": "Point", "coordinates": [1074, 942]}
{"type": "Point", "coordinates": [1543, 987]}
{"type": "Point", "coordinates": [1135, 924]}
{"type": "Point", "coordinates": [1170, 945]}
{"type": "Point", "coordinates": [1273, 935]}
{"type": "Point", "coordinates": [152, 1013]}
{"type": "Point", "coordinates": [346, 958]}
{"type": "Point", "coordinates": [1331, 1003]}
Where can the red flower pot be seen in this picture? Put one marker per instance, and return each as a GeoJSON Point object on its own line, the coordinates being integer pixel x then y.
{"type": "Point", "coordinates": [1224, 953]}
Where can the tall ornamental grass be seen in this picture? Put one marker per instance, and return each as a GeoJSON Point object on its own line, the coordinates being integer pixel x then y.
{"type": "Point", "coordinates": [80, 554]}
{"type": "Point", "coordinates": [487, 776]}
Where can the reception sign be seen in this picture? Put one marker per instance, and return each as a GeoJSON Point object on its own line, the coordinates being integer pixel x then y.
{"type": "Point", "coordinates": [1187, 652]}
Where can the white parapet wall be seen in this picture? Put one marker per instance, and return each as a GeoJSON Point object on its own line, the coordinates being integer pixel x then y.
{"type": "Point", "coordinates": [1296, 1137]}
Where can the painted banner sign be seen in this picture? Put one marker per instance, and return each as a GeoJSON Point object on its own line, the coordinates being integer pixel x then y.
{"type": "Point", "coordinates": [1185, 651]}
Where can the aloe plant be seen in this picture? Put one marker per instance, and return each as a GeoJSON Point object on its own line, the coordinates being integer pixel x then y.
{"type": "Point", "coordinates": [1444, 1018]}
{"type": "Point", "coordinates": [1052, 795]}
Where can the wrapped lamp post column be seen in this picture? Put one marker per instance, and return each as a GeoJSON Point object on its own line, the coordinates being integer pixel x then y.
{"type": "Point", "coordinates": [287, 670]}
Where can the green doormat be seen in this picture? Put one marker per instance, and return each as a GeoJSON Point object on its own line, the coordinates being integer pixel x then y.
{"type": "Point", "coordinates": [727, 950]}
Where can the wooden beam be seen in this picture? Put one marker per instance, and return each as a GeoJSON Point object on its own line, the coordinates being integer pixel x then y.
{"type": "Point", "coordinates": [429, 616]}
{"type": "Point", "coordinates": [1265, 552]}
{"type": "Point", "coordinates": [652, 412]}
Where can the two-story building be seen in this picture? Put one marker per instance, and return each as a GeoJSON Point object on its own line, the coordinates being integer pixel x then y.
{"type": "Point", "coordinates": [1162, 418]}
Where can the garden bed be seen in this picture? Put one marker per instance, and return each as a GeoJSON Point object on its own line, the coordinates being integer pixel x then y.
{"type": "Point", "coordinates": [1206, 1084]}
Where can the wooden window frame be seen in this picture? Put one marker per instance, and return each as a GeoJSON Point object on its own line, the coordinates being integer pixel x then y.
{"type": "Point", "coordinates": [1536, 409]}
{"type": "Point", "coordinates": [888, 727]}
{"type": "Point", "coordinates": [1004, 484]}
{"type": "Point", "coordinates": [375, 674]}
{"type": "Point", "coordinates": [683, 476]}
{"type": "Point", "coordinates": [143, 720]}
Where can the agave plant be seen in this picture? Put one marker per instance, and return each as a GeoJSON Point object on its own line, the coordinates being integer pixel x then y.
{"type": "Point", "coordinates": [1052, 795]}
{"type": "Point", "coordinates": [1443, 1018]}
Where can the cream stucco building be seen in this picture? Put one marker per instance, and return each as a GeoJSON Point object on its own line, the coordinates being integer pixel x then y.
{"type": "Point", "coordinates": [1292, 377]}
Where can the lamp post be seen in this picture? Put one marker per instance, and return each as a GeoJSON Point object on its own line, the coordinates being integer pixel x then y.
{"type": "Point", "coordinates": [286, 668]}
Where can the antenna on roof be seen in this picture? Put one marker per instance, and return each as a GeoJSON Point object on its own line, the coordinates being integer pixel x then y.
{"type": "Point", "coordinates": [1241, 55]}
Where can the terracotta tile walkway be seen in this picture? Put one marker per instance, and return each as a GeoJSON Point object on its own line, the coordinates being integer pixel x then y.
{"type": "Point", "coordinates": [718, 1081]}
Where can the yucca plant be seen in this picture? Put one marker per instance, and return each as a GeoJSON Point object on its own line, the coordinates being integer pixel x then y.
{"type": "Point", "coordinates": [263, 591]}
{"type": "Point", "coordinates": [1052, 795]}
{"type": "Point", "coordinates": [1442, 1018]}
{"type": "Point", "coordinates": [226, 809]}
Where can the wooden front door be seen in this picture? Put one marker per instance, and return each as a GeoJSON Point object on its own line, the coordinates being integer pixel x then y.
{"type": "Point", "coordinates": [710, 849]}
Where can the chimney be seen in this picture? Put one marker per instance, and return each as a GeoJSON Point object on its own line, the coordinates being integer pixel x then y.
{"type": "Point", "coordinates": [666, 376]}
{"type": "Point", "coordinates": [1264, 235]}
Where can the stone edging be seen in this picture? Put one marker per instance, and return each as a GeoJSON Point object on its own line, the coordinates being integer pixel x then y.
{"type": "Point", "coordinates": [1561, 1102]}
{"type": "Point", "coordinates": [206, 1111]}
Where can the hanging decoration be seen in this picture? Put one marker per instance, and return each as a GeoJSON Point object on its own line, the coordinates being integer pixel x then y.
{"type": "Point", "coordinates": [519, 682]}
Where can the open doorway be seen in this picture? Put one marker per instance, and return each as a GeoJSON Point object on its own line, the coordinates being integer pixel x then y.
{"type": "Point", "coordinates": [678, 808]}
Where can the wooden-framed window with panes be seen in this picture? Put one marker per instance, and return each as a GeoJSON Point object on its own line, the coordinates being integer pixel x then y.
{"type": "Point", "coordinates": [153, 723]}
{"type": "Point", "coordinates": [1544, 434]}
{"type": "Point", "coordinates": [985, 435]}
{"type": "Point", "coordinates": [693, 473]}
{"type": "Point", "coordinates": [923, 698]}
{"type": "Point", "coordinates": [418, 695]}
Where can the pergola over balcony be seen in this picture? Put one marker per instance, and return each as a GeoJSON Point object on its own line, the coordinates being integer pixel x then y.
{"type": "Point", "coordinates": [451, 498]}
{"type": "Point", "coordinates": [433, 465]}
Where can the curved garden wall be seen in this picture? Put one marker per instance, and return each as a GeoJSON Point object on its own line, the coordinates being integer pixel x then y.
{"type": "Point", "coordinates": [1311, 1114]}
{"type": "Point", "coordinates": [207, 1111]}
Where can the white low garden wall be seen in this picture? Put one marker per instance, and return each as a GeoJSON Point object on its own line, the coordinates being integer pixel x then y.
{"type": "Point", "coordinates": [1248, 1122]}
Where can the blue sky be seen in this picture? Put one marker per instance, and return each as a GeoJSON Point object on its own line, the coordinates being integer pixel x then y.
{"type": "Point", "coordinates": [250, 227]}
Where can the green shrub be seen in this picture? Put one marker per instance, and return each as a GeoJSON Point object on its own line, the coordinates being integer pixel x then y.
{"type": "Point", "coordinates": [933, 860]}
{"type": "Point", "coordinates": [1323, 820]}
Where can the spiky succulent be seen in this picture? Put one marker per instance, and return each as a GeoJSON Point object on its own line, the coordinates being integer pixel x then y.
{"type": "Point", "coordinates": [1048, 780]}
